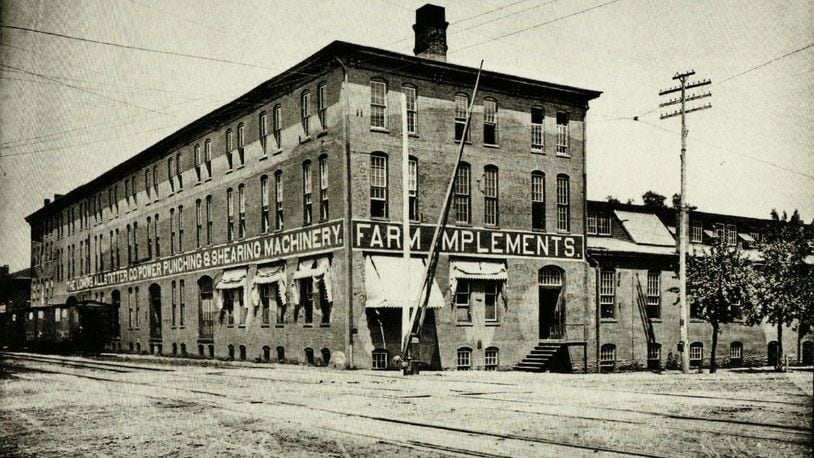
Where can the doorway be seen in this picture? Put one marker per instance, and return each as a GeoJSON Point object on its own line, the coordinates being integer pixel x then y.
{"type": "Point", "coordinates": [551, 304]}
{"type": "Point", "coordinates": [155, 311]}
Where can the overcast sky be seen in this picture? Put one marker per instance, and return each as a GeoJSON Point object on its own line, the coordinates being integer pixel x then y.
{"type": "Point", "coordinates": [69, 110]}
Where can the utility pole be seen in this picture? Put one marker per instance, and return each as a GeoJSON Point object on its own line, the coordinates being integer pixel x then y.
{"type": "Point", "coordinates": [683, 224]}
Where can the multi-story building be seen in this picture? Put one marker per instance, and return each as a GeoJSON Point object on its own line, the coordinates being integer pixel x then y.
{"type": "Point", "coordinates": [633, 251]}
{"type": "Point", "coordinates": [270, 228]}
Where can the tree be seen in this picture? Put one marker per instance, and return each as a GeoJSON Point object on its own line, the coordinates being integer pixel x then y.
{"type": "Point", "coordinates": [653, 199]}
{"type": "Point", "coordinates": [719, 283]}
{"type": "Point", "coordinates": [783, 292]}
{"type": "Point", "coordinates": [612, 200]}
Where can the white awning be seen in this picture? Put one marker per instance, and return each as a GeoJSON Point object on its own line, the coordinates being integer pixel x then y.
{"type": "Point", "coordinates": [746, 237]}
{"type": "Point", "coordinates": [390, 282]}
{"type": "Point", "coordinates": [710, 234]}
{"type": "Point", "coordinates": [268, 276]}
{"type": "Point", "coordinates": [319, 270]}
{"type": "Point", "coordinates": [475, 270]}
{"type": "Point", "coordinates": [231, 279]}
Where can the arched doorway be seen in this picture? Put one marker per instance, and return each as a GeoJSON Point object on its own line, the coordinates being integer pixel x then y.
{"type": "Point", "coordinates": [551, 302]}
{"type": "Point", "coordinates": [155, 311]}
{"type": "Point", "coordinates": [206, 308]}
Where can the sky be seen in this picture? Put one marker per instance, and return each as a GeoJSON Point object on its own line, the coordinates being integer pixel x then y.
{"type": "Point", "coordinates": [70, 110]}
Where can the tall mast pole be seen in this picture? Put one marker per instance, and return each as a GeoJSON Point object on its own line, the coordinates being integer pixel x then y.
{"type": "Point", "coordinates": [406, 315]}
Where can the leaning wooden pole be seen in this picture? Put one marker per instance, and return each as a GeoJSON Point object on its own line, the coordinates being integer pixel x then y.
{"type": "Point", "coordinates": [432, 261]}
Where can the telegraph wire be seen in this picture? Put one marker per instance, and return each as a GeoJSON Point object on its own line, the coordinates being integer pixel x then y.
{"type": "Point", "coordinates": [764, 64]}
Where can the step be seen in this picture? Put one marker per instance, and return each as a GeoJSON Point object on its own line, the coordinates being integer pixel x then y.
{"type": "Point", "coordinates": [545, 351]}
{"type": "Point", "coordinates": [543, 358]}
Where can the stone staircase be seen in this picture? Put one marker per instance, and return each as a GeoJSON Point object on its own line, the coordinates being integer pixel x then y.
{"type": "Point", "coordinates": [540, 357]}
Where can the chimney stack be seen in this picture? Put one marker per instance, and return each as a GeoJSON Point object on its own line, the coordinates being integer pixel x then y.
{"type": "Point", "coordinates": [46, 202]}
{"type": "Point", "coordinates": [430, 33]}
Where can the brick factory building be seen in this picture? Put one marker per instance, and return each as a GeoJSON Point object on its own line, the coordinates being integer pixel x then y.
{"type": "Point", "coordinates": [270, 228]}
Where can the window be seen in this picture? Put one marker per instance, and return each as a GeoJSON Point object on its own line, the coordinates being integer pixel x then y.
{"type": "Point", "coordinates": [174, 305]}
{"type": "Point", "coordinates": [129, 251]}
{"type": "Point", "coordinates": [463, 311]}
{"type": "Point", "coordinates": [490, 360]}
{"type": "Point", "coordinates": [170, 176]}
{"type": "Point", "coordinates": [490, 203]}
{"type": "Point", "coordinates": [490, 300]}
{"type": "Point", "coordinates": [412, 191]}
{"type": "Point", "coordinates": [654, 356]}
{"type": "Point", "coordinates": [563, 203]}
{"type": "Point", "coordinates": [562, 134]}
{"type": "Point", "coordinates": [208, 157]}
{"type": "Point", "coordinates": [607, 357]}
{"type": "Point", "coordinates": [129, 308]}
{"type": "Point", "coordinates": [279, 222]}
{"type": "Point", "coordinates": [653, 295]}
{"type": "Point", "coordinates": [537, 129]}
{"type": "Point", "coordinates": [696, 353]}
{"type": "Point", "coordinates": [607, 283]}
{"type": "Point", "coordinates": [230, 216]}
{"type": "Point", "coordinates": [324, 209]}
{"type": "Point", "coordinates": [490, 122]}
{"type": "Point", "coordinates": [229, 149]}
{"type": "Point", "coordinates": [172, 231]}
{"type": "Point", "coordinates": [197, 157]}
{"type": "Point", "coordinates": [198, 225]}
{"type": "Point", "coordinates": [126, 198]}
{"type": "Point", "coordinates": [180, 228]}
{"type": "Point", "coordinates": [307, 215]}
{"type": "Point", "coordinates": [322, 104]}
{"type": "Point", "coordinates": [412, 113]}
{"type": "Point", "coordinates": [720, 231]}
{"type": "Point", "coordinates": [118, 258]}
{"type": "Point", "coordinates": [464, 359]}
{"type": "Point", "coordinates": [264, 204]}
{"type": "Point", "coordinates": [538, 200]}
{"type": "Point", "coordinates": [736, 353]}
{"type": "Point", "coordinates": [157, 238]}
{"type": "Point", "coordinates": [241, 143]}
{"type": "Point", "coordinates": [209, 220]}
{"type": "Point", "coordinates": [461, 108]}
{"type": "Point", "coordinates": [147, 182]}
{"type": "Point", "coordinates": [133, 189]}
{"type": "Point", "coordinates": [305, 112]}
{"type": "Point", "coordinates": [379, 359]}
{"type": "Point", "coordinates": [265, 302]}
{"type": "Point", "coordinates": [149, 238]}
{"type": "Point", "coordinates": [262, 125]}
{"type": "Point", "coordinates": [277, 126]}
{"type": "Point", "coordinates": [598, 223]}
{"type": "Point", "coordinates": [155, 180]}
{"type": "Point", "coordinates": [731, 234]}
{"type": "Point", "coordinates": [378, 185]}
{"type": "Point", "coordinates": [462, 191]}
{"type": "Point", "coordinates": [696, 232]}
{"type": "Point", "coordinates": [230, 296]}
{"type": "Point", "coordinates": [378, 104]}
{"type": "Point", "coordinates": [306, 305]}
{"type": "Point", "coordinates": [241, 211]}
{"type": "Point", "coordinates": [112, 251]}
{"type": "Point", "coordinates": [179, 171]}
{"type": "Point", "coordinates": [695, 309]}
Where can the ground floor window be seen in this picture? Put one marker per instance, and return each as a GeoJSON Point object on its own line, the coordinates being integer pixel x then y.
{"type": "Point", "coordinates": [491, 359]}
{"type": "Point", "coordinates": [266, 353]}
{"type": "Point", "coordinates": [326, 356]}
{"type": "Point", "coordinates": [735, 353]}
{"type": "Point", "coordinates": [696, 353]}
{"type": "Point", "coordinates": [654, 356]}
{"type": "Point", "coordinates": [607, 357]}
{"type": "Point", "coordinates": [232, 298]}
{"type": "Point", "coordinates": [379, 359]}
{"type": "Point", "coordinates": [280, 354]}
{"type": "Point", "coordinates": [464, 359]}
{"type": "Point", "coordinates": [243, 353]}
{"type": "Point", "coordinates": [309, 355]}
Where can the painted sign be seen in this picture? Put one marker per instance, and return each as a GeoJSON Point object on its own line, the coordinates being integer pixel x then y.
{"type": "Point", "coordinates": [296, 242]}
{"type": "Point", "coordinates": [384, 236]}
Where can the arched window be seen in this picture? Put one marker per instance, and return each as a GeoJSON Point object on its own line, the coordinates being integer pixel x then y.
{"type": "Point", "coordinates": [208, 157]}
{"type": "Point", "coordinates": [231, 352]}
{"type": "Point", "coordinates": [326, 356]}
{"type": "Point", "coordinates": [262, 127]}
{"type": "Point", "coordinates": [550, 276]}
{"type": "Point", "coordinates": [378, 185]}
{"type": "Point", "coordinates": [380, 357]}
{"type": "Point", "coordinates": [607, 357]}
{"type": "Point", "coordinates": [241, 143]}
{"type": "Point", "coordinates": [735, 354]}
{"type": "Point", "coordinates": [464, 359]}
{"type": "Point", "coordinates": [305, 112]}
{"type": "Point", "coordinates": [654, 356]}
{"type": "Point", "coordinates": [309, 355]}
{"type": "Point", "coordinates": [696, 354]}
{"type": "Point", "coordinates": [229, 147]}
{"type": "Point", "coordinates": [243, 353]}
{"type": "Point", "coordinates": [280, 354]}
{"type": "Point", "coordinates": [491, 358]}
{"type": "Point", "coordinates": [183, 349]}
{"type": "Point", "coordinates": [230, 215]}
{"type": "Point", "coordinates": [266, 353]}
{"type": "Point", "coordinates": [412, 111]}
{"type": "Point", "coordinates": [277, 126]}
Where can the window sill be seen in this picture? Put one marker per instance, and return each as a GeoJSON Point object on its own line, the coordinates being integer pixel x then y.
{"type": "Point", "coordinates": [228, 172]}
{"type": "Point", "coordinates": [208, 179]}
{"type": "Point", "coordinates": [538, 151]}
{"type": "Point", "coordinates": [413, 135]}
{"type": "Point", "coordinates": [565, 155]}
{"type": "Point", "coordinates": [308, 325]}
{"type": "Point", "coordinates": [239, 167]}
{"type": "Point", "coordinates": [655, 320]}
{"type": "Point", "coordinates": [172, 193]}
{"type": "Point", "coordinates": [279, 325]}
{"type": "Point", "coordinates": [179, 191]}
{"type": "Point", "coordinates": [325, 325]}
{"type": "Point", "coordinates": [322, 133]}
{"type": "Point", "coordinates": [379, 218]}
{"type": "Point", "coordinates": [464, 324]}
{"type": "Point", "coordinates": [608, 320]}
{"type": "Point", "coordinates": [264, 326]}
{"type": "Point", "coordinates": [491, 145]}
{"type": "Point", "coordinates": [697, 320]}
{"type": "Point", "coordinates": [279, 151]}
{"type": "Point", "coordinates": [492, 323]}
{"type": "Point", "coordinates": [383, 130]}
{"type": "Point", "coordinates": [263, 157]}
{"type": "Point", "coordinates": [242, 326]}
{"type": "Point", "coordinates": [306, 139]}
{"type": "Point", "coordinates": [458, 142]}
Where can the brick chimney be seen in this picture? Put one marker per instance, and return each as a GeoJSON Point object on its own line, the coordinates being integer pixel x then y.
{"type": "Point", "coordinates": [430, 33]}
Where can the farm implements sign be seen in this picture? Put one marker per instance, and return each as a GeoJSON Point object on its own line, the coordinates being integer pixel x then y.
{"type": "Point", "coordinates": [296, 242]}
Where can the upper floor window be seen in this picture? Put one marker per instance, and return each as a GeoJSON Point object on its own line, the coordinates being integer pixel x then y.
{"type": "Point", "coordinates": [209, 222]}
{"type": "Point", "coordinates": [696, 232]}
{"type": "Point", "coordinates": [598, 223]}
{"type": "Point", "coordinates": [490, 196]}
{"type": "Point", "coordinates": [170, 176]}
{"type": "Point", "coordinates": [262, 125]}
{"type": "Point", "coordinates": [147, 185]}
{"type": "Point", "coordinates": [378, 104]}
{"type": "Point", "coordinates": [537, 200]}
{"type": "Point", "coordinates": [208, 157]}
{"type": "Point", "coordinates": [412, 190]}
{"type": "Point", "coordinates": [324, 209]}
{"type": "Point", "coordinates": [149, 238]}
{"type": "Point", "coordinates": [563, 203]}
{"type": "Point", "coordinates": [264, 204]}
{"type": "Point", "coordinates": [322, 104]}
{"type": "Point", "coordinates": [537, 138]}
{"type": "Point", "coordinates": [180, 228]}
{"type": "Point", "coordinates": [133, 189]}
{"type": "Point", "coordinates": [562, 134]}
{"type": "Point", "coordinates": [378, 185]}
{"type": "Point", "coordinates": [179, 171]}
{"type": "Point", "coordinates": [653, 294]}
{"type": "Point", "coordinates": [607, 282]}
{"type": "Point", "coordinates": [461, 107]}
{"type": "Point", "coordinates": [305, 112]}
{"type": "Point", "coordinates": [229, 149]}
{"type": "Point", "coordinates": [241, 143]}
{"type": "Point", "coordinates": [412, 112]}
{"type": "Point", "coordinates": [198, 223]}
{"type": "Point", "coordinates": [172, 231]}
{"type": "Point", "coordinates": [230, 216]}
{"type": "Point", "coordinates": [490, 122]}
{"type": "Point", "coordinates": [157, 236]}
{"type": "Point", "coordinates": [720, 231]}
{"type": "Point", "coordinates": [462, 194]}
{"type": "Point", "coordinates": [307, 215]}
{"type": "Point", "coordinates": [241, 211]}
{"type": "Point", "coordinates": [155, 180]}
{"type": "Point", "coordinates": [277, 126]}
{"type": "Point", "coordinates": [279, 221]}
{"type": "Point", "coordinates": [197, 157]}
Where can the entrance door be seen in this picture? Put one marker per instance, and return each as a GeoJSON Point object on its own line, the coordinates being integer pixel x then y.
{"type": "Point", "coordinates": [552, 310]}
{"type": "Point", "coordinates": [155, 311]}
{"type": "Point", "coordinates": [206, 309]}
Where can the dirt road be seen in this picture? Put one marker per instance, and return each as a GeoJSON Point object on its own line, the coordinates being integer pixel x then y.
{"type": "Point", "coordinates": [67, 406]}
